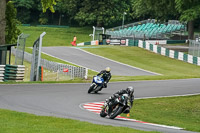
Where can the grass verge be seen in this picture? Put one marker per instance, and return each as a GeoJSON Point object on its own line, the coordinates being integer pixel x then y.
{"type": "Point", "coordinates": [56, 36]}
{"type": "Point", "coordinates": [11, 121]}
{"type": "Point", "coordinates": [138, 57]}
{"type": "Point", "coordinates": [183, 111]}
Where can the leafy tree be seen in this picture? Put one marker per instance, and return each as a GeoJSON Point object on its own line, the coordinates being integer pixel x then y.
{"type": "Point", "coordinates": [190, 11]}
{"type": "Point", "coordinates": [101, 12]}
{"type": "Point", "coordinates": [185, 10]}
{"type": "Point", "coordinates": [12, 31]}
{"type": "Point", "coordinates": [23, 9]}
{"type": "Point", "coordinates": [48, 4]}
{"type": "Point", "coordinates": [158, 9]}
{"type": "Point", "coordinates": [2, 21]}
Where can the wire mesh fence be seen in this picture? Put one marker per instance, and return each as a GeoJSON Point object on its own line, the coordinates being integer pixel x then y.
{"type": "Point", "coordinates": [54, 71]}
{"type": "Point", "coordinates": [19, 56]}
{"type": "Point", "coordinates": [194, 48]}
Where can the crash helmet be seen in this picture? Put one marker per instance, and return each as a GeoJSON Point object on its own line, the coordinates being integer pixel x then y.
{"type": "Point", "coordinates": [107, 69]}
{"type": "Point", "coordinates": [130, 90]}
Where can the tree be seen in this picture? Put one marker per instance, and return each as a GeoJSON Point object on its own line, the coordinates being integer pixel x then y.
{"type": "Point", "coordinates": [12, 31]}
{"type": "Point", "coordinates": [48, 4]}
{"type": "Point", "coordinates": [23, 9]}
{"type": "Point", "coordinates": [45, 3]}
{"type": "Point", "coordinates": [158, 9]}
{"type": "Point", "coordinates": [101, 12]}
{"type": "Point", "coordinates": [184, 10]}
{"type": "Point", "coordinates": [190, 11]}
{"type": "Point", "coordinates": [2, 21]}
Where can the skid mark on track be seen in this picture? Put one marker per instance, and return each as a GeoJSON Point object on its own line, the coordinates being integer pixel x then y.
{"type": "Point", "coordinates": [95, 107]}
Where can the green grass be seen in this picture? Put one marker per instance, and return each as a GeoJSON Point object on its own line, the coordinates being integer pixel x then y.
{"type": "Point", "coordinates": [138, 57]}
{"type": "Point", "coordinates": [56, 36]}
{"type": "Point", "coordinates": [181, 111]}
{"type": "Point", "coordinates": [16, 122]}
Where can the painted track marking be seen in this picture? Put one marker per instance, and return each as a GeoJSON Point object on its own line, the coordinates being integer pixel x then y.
{"type": "Point", "coordinates": [95, 107]}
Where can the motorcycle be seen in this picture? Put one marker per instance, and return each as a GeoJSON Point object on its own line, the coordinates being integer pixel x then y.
{"type": "Point", "coordinates": [115, 107]}
{"type": "Point", "coordinates": [97, 84]}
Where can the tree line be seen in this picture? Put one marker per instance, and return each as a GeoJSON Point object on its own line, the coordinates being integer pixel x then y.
{"type": "Point", "coordinates": [108, 13]}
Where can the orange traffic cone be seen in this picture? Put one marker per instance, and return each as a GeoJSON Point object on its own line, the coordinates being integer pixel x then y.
{"type": "Point", "coordinates": [128, 115]}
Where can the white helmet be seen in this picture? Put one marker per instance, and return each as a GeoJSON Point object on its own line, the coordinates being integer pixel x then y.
{"type": "Point", "coordinates": [107, 69]}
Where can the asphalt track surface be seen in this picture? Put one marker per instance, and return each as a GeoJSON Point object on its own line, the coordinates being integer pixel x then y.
{"type": "Point", "coordinates": [93, 62]}
{"type": "Point", "coordinates": [65, 100]}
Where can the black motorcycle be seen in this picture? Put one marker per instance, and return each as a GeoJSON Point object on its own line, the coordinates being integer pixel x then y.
{"type": "Point", "coordinates": [115, 107]}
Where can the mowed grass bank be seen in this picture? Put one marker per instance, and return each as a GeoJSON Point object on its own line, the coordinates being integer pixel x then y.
{"type": "Point", "coordinates": [138, 57]}
{"type": "Point", "coordinates": [181, 111]}
{"type": "Point", "coordinates": [56, 36]}
{"type": "Point", "coordinates": [16, 122]}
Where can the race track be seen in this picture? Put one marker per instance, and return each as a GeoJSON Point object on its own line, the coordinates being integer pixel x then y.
{"type": "Point", "coordinates": [93, 62]}
{"type": "Point", "coordinates": [65, 100]}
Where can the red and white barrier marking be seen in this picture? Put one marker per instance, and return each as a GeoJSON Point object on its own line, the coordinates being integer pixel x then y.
{"type": "Point", "coordinates": [96, 108]}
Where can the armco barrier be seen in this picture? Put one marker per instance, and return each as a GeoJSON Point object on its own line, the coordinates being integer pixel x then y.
{"type": "Point", "coordinates": [169, 53]}
{"type": "Point", "coordinates": [2, 71]}
{"type": "Point", "coordinates": [14, 73]}
{"type": "Point", "coordinates": [127, 42]}
{"type": "Point", "coordinates": [95, 42]}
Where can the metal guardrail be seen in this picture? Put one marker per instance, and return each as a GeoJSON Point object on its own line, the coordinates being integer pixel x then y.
{"type": "Point", "coordinates": [79, 72]}
{"type": "Point", "coordinates": [2, 71]}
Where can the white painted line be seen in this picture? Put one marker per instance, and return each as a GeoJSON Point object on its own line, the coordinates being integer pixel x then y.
{"type": "Point", "coordinates": [118, 62]}
{"type": "Point", "coordinates": [169, 96]}
{"type": "Point", "coordinates": [68, 61]}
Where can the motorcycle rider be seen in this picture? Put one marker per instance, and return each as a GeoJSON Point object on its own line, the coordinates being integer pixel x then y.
{"type": "Point", "coordinates": [129, 90]}
{"type": "Point", "coordinates": [106, 75]}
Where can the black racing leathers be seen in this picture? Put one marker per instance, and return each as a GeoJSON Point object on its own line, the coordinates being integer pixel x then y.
{"type": "Point", "coordinates": [105, 75]}
{"type": "Point", "coordinates": [130, 99]}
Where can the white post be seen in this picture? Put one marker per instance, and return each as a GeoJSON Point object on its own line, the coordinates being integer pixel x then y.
{"type": "Point", "coordinates": [86, 73]}
{"type": "Point", "coordinates": [39, 56]}
{"type": "Point", "coordinates": [103, 29]}
{"type": "Point", "coordinates": [93, 33]}
{"type": "Point", "coordinates": [123, 20]}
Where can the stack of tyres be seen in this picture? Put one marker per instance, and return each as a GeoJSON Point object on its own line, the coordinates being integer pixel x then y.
{"type": "Point", "coordinates": [14, 73]}
{"type": "Point", "coordinates": [2, 70]}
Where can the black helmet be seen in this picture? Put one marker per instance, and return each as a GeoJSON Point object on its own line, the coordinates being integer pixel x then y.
{"type": "Point", "coordinates": [130, 89]}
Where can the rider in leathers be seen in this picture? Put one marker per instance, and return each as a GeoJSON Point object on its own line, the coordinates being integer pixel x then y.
{"type": "Point", "coordinates": [129, 90]}
{"type": "Point", "coordinates": [106, 75]}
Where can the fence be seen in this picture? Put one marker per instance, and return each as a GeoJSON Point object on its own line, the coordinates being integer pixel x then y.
{"type": "Point", "coordinates": [194, 48]}
{"type": "Point", "coordinates": [57, 68]}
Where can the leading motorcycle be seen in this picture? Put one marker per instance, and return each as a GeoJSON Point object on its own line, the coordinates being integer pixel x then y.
{"type": "Point", "coordinates": [115, 107]}
{"type": "Point", "coordinates": [97, 84]}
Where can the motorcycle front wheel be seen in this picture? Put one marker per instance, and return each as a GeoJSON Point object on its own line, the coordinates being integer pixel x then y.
{"type": "Point", "coordinates": [116, 112]}
{"type": "Point", "coordinates": [103, 113]}
{"type": "Point", "coordinates": [91, 88]}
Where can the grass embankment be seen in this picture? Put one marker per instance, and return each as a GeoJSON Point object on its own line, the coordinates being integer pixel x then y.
{"type": "Point", "coordinates": [174, 111]}
{"type": "Point", "coordinates": [56, 36]}
{"type": "Point", "coordinates": [16, 122]}
{"type": "Point", "coordinates": [138, 57]}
